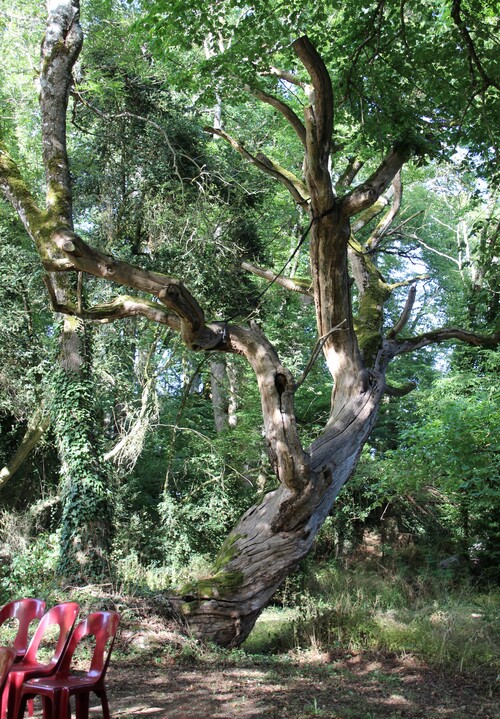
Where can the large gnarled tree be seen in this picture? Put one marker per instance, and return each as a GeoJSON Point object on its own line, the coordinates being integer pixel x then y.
{"type": "Point", "coordinates": [274, 535]}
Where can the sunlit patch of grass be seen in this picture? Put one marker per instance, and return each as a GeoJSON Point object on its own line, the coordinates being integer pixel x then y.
{"type": "Point", "coordinates": [273, 632]}
{"type": "Point", "coordinates": [452, 634]}
{"type": "Point", "coordinates": [450, 627]}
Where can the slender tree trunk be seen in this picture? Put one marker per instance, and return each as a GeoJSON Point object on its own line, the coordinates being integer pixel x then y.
{"type": "Point", "coordinates": [224, 386]}
{"type": "Point", "coordinates": [233, 386]}
{"type": "Point", "coordinates": [220, 403]}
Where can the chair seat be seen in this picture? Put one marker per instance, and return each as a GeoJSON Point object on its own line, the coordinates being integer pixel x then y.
{"type": "Point", "coordinates": [41, 684]}
{"type": "Point", "coordinates": [32, 668]}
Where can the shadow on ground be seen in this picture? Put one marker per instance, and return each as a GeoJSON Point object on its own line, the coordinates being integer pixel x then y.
{"type": "Point", "coordinates": [355, 686]}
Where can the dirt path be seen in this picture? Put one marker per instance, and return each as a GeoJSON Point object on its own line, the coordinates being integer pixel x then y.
{"type": "Point", "coordinates": [343, 687]}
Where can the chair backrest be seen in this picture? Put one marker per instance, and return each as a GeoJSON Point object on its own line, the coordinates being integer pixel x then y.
{"type": "Point", "coordinates": [101, 625]}
{"type": "Point", "coordinates": [7, 656]}
{"type": "Point", "coordinates": [63, 616]}
{"type": "Point", "coordinates": [25, 611]}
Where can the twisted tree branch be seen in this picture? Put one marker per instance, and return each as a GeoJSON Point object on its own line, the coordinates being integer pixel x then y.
{"type": "Point", "coordinates": [445, 334]}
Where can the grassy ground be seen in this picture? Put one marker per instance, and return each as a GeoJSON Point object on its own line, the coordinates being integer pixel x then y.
{"type": "Point", "coordinates": [157, 671]}
{"type": "Point", "coordinates": [447, 623]}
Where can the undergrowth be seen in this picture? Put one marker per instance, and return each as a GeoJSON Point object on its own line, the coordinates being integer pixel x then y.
{"type": "Point", "coordinates": [446, 623]}
{"type": "Point", "coordinates": [436, 616]}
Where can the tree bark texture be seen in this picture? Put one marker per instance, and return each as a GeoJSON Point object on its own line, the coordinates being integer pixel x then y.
{"type": "Point", "coordinates": [272, 537]}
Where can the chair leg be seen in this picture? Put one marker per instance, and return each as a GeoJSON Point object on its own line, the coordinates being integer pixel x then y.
{"type": "Point", "coordinates": [82, 705]}
{"type": "Point", "coordinates": [22, 708]}
{"type": "Point", "coordinates": [15, 694]}
{"type": "Point", "coordinates": [48, 708]}
{"type": "Point", "coordinates": [61, 706]}
{"type": "Point", "coordinates": [105, 705]}
{"type": "Point", "coordinates": [4, 699]}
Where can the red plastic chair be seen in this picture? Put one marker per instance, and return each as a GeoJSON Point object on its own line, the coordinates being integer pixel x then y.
{"type": "Point", "coordinates": [57, 690]}
{"type": "Point", "coordinates": [7, 658]}
{"type": "Point", "coordinates": [62, 616]}
{"type": "Point", "coordinates": [25, 611]}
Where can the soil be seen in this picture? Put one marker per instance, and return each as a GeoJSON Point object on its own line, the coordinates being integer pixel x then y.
{"type": "Point", "coordinates": [156, 673]}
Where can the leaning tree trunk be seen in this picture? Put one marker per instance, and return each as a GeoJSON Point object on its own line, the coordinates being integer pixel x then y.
{"type": "Point", "coordinates": [272, 537]}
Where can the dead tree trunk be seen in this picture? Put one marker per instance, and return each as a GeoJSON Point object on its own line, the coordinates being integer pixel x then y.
{"type": "Point", "coordinates": [272, 537]}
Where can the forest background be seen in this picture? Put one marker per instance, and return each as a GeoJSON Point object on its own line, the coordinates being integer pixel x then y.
{"type": "Point", "coordinates": [175, 437]}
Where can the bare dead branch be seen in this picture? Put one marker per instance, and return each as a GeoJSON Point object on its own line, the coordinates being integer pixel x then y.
{"type": "Point", "coordinates": [443, 335]}
{"type": "Point", "coordinates": [397, 228]}
{"type": "Point", "coordinates": [170, 291]}
{"type": "Point", "coordinates": [389, 216]}
{"type": "Point", "coordinates": [405, 283]}
{"type": "Point", "coordinates": [285, 110]}
{"type": "Point", "coordinates": [286, 76]}
{"type": "Point", "coordinates": [433, 249]}
{"type": "Point", "coordinates": [128, 306]}
{"type": "Point", "coordinates": [400, 391]}
{"type": "Point", "coordinates": [405, 314]}
{"type": "Point", "coordinates": [286, 282]}
{"type": "Point", "coordinates": [296, 188]}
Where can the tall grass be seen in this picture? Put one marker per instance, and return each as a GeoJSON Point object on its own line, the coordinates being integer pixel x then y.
{"type": "Point", "coordinates": [444, 623]}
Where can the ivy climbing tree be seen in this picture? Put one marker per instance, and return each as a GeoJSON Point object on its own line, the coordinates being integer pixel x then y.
{"type": "Point", "coordinates": [85, 478]}
{"type": "Point", "coordinates": [275, 534]}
